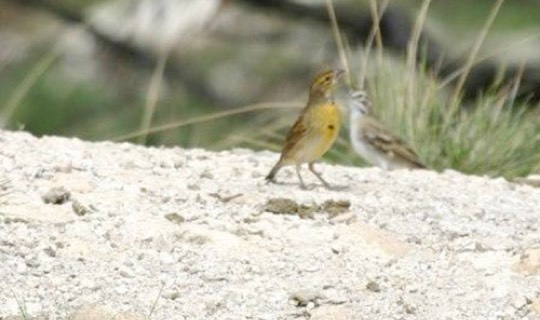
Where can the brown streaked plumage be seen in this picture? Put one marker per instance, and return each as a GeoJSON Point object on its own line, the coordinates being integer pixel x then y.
{"type": "Point", "coordinates": [314, 131]}
{"type": "Point", "coordinates": [373, 142]}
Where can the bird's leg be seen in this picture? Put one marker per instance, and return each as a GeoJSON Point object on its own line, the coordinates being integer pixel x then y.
{"type": "Point", "coordinates": [318, 175]}
{"type": "Point", "coordinates": [271, 177]}
{"type": "Point", "coordinates": [302, 184]}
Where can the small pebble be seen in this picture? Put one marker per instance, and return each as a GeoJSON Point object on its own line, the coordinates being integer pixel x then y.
{"type": "Point", "coordinates": [57, 195]}
{"type": "Point", "coordinates": [303, 297]}
{"type": "Point", "coordinates": [79, 208]}
{"type": "Point", "coordinates": [170, 294]}
{"type": "Point", "coordinates": [373, 286]}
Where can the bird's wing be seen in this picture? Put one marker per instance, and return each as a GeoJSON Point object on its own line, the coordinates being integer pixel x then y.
{"type": "Point", "coordinates": [382, 139]}
{"type": "Point", "coordinates": [296, 133]}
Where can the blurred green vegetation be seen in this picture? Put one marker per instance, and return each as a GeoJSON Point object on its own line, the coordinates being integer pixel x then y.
{"type": "Point", "coordinates": [495, 137]}
{"type": "Point", "coordinates": [467, 16]}
{"type": "Point", "coordinates": [58, 105]}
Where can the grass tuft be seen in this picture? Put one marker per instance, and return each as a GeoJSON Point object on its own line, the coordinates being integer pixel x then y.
{"type": "Point", "coordinates": [495, 137]}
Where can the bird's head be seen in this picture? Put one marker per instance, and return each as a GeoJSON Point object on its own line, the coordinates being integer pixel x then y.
{"type": "Point", "coordinates": [360, 103]}
{"type": "Point", "coordinates": [324, 83]}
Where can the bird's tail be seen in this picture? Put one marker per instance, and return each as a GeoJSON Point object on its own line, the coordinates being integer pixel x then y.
{"type": "Point", "coordinates": [272, 175]}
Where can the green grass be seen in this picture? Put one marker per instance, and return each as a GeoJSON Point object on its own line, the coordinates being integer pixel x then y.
{"type": "Point", "coordinates": [494, 137]}
{"type": "Point", "coordinates": [463, 15]}
{"type": "Point", "coordinates": [55, 104]}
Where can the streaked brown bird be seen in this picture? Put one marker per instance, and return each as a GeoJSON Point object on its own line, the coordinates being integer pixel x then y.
{"type": "Point", "coordinates": [315, 130]}
{"type": "Point", "coordinates": [373, 142]}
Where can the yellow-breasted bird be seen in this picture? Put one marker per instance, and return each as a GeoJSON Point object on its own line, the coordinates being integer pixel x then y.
{"type": "Point", "coordinates": [315, 130]}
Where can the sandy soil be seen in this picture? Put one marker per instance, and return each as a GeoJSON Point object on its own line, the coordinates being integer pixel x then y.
{"type": "Point", "coordinates": [118, 231]}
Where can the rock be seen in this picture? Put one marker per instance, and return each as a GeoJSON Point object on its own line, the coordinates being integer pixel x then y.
{"type": "Point", "coordinates": [170, 294]}
{"type": "Point", "coordinates": [175, 218]}
{"type": "Point", "coordinates": [336, 207]}
{"type": "Point", "coordinates": [225, 198]}
{"type": "Point", "coordinates": [121, 289]}
{"type": "Point", "coordinates": [330, 312]}
{"type": "Point", "coordinates": [373, 286]}
{"type": "Point", "coordinates": [79, 208]}
{"type": "Point", "coordinates": [57, 195]}
{"type": "Point", "coordinates": [5, 185]}
{"type": "Point", "coordinates": [533, 181]}
{"type": "Point", "coordinates": [535, 306]}
{"type": "Point", "coordinates": [98, 312]}
{"type": "Point", "coordinates": [379, 239]}
{"type": "Point", "coordinates": [302, 298]}
{"type": "Point", "coordinates": [50, 252]}
{"type": "Point", "coordinates": [334, 296]}
{"type": "Point", "coordinates": [289, 206]}
{"type": "Point", "coordinates": [529, 262]}
{"type": "Point", "coordinates": [345, 218]}
{"type": "Point", "coordinates": [21, 268]}
{"type": "Point", "coordinates": [125, 272]}
{"type": "Point", "coordinates": [41, 317]}
{"type": "Point", "coordinates": [32, 262]}
{"type": "Point", "coordinates": [166, 258]}
{"type": "Point", "coordinates": [89, 284]}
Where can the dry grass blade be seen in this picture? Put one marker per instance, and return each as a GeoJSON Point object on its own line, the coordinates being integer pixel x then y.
{"type": "Point", "coordinates": [255, 142]}
{"type": "Point", "coordinates": [412, 49]}
{"type": "Point", "coordinates": [507, 47]}
{"type": "Point", "coordinates": [154, 89]}
{"type": "Point", "coordinates": [517, 82]}
{"type": "Point", "coordinates": [206, 118]}
{"type": "Point", "coordinates": [375, 35]}
{"type": "Point", "coordinates": [474, 52]}
{"type": "Point", "coordinates": [154, 305]}
{"type": "Point", "coordinates": [376, 14]}
{"type": "Point", "coordinates": [22, 89]}
{"type": "Point", "coordinates": [338, 39]}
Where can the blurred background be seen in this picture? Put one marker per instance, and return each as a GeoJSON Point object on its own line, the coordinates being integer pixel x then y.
{"type": "Point", "coordinates": [220, 74]}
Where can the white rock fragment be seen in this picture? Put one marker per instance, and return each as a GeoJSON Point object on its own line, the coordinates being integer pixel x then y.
{"type": "Point", "coordinates": [166, 258]}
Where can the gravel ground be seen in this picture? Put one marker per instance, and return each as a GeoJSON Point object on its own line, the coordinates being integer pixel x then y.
{"type": "Point", "coordinates": [119, 231]}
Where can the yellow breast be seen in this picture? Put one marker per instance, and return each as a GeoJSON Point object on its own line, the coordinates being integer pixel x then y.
{"type": "Point", "coordinates": [323, 123]}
